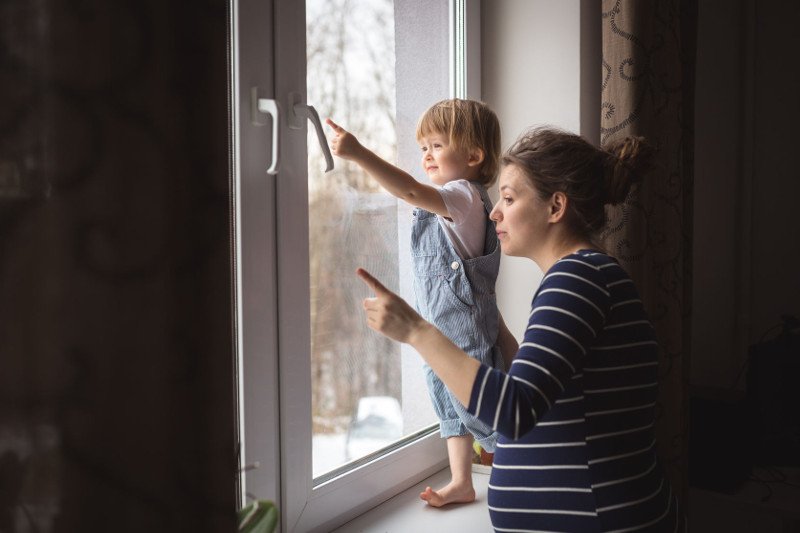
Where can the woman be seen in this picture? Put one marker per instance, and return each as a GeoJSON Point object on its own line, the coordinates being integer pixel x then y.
{"type": "Point", "coordinates": [576, 409]}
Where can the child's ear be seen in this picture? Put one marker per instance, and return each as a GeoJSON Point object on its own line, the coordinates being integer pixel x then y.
{"type": "Point", "coordinates": [475, 157]}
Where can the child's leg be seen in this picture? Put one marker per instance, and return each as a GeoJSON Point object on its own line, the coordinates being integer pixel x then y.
{"type": "Point", "coordinates": [459, 447]}
{"type": "Point", "coordinates": [460, 489]}
{"type": "Point", "coordinates": [460, 434]}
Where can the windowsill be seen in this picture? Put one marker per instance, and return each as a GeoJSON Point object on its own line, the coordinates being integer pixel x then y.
{"type": "Point", "coordinates": [406, 512]}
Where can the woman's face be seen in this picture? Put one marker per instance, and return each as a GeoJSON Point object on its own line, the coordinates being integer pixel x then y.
{"type": "Point", "coordinates": [520, 216]}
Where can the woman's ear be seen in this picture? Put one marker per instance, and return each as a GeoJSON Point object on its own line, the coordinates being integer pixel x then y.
{"type": "Point", "coordinates": [558, 206]}
{"type": "Point", "coordinates": [475, 157]}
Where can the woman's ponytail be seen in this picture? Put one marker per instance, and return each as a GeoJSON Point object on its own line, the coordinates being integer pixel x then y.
{"type": "Point", "coordinates": [627, 161]}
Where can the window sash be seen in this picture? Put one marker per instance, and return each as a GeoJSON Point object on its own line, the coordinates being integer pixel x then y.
{"type": "Point", "coordinates": [272, 284]}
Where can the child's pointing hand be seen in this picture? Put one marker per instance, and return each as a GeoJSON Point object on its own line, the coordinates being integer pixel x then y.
{"type": "Point", "coordinates": [344, 144]}
{"type": "Point", "coordinates": [387, 313]}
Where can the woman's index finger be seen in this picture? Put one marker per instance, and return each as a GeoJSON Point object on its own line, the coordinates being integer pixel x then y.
{"type": "Point", "coordinates": [376, 286]}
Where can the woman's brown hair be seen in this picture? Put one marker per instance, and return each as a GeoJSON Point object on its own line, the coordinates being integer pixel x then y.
{"type": "Point", "coordinates": [590, 177]}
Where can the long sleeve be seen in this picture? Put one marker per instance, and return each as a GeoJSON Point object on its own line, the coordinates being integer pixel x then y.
{"type": "Point", "coordinates": [567, 314]}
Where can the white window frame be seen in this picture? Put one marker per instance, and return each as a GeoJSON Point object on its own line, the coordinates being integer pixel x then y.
{"type": "Point", "coordinates": [465, 49]}
{"type": "Point", "coordinates": [271, 272]}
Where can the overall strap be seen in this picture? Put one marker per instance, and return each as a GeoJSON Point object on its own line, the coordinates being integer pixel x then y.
{"type": "Point", "coordinates": [490, 243]}
{"type": "Point", "coordinates": [487, 202]}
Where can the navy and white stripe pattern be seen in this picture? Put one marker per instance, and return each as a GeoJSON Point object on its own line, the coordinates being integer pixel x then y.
{"type": "Point", "coordinates": [576, 410]}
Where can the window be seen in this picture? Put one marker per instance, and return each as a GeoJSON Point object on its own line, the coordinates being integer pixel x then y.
{"type": "Point", "coordinates": [334, 418]}
{"type": "Point", "coordinates": [357, 402]}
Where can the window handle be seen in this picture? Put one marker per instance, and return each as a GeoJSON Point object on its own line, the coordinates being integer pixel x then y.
{"type": "Point", "coordinates": [297, 117]}
{"type": "Point", "coordinates": [267, 106]}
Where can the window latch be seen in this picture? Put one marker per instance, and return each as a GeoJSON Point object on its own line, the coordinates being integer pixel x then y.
{"type": "Point", "coordinates": [298, 114]}
{"type": "Point", "coordinates": [266, 106]}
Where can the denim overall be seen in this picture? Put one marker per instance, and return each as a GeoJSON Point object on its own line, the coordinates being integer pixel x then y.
{"type": "Point", "coordinates": [457, 296]}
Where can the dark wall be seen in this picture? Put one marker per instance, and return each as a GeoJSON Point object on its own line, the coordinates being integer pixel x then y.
{"type": "Point", "coordinates": [747, 181]}
{"type": "Point", "coordinates": [116, 359]}
{"type": "Point", "coordinates": [776, 167]}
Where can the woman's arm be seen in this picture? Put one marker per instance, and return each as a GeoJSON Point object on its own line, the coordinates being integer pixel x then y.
{"type": "Point", "coordinates": [567, 315]}
{"type": "Point", "coordinates": [395, 180]}
{"type": "Point", "coordinates": [390, 315]}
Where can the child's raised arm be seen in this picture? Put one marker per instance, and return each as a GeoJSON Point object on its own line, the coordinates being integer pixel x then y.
{"type": "Point", "coordinates": [396, 181]}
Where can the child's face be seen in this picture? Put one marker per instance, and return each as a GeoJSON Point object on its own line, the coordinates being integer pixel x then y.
{"type": "Point", "coordinates": [443, 163]}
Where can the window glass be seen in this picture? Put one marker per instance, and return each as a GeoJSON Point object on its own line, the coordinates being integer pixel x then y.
{"type": "Point", "coordinates": [365, 393]}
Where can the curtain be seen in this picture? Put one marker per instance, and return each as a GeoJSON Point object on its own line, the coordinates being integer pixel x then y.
{"type": "Point", "coordinates": [116, 339]}
{"type": "Point", "coordinates": [647, 89]}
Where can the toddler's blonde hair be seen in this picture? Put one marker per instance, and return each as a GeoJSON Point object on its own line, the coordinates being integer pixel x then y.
{"type": "Point", "coordinates": [468, 124]}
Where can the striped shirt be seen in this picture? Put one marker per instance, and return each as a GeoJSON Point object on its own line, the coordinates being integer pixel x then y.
{"type": "Point", "coordinates": [576, 410]}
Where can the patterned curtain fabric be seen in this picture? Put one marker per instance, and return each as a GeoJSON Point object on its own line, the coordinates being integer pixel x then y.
{"type": "Point", "coordinates": [648, 79]}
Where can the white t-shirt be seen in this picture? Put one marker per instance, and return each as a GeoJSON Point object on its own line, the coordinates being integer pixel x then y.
{"type": "Point", "coordinates": [467, 227]}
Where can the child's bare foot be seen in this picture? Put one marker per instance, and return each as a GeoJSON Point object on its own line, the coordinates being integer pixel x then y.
{"type": "Point", "coordinates": [451, 493]}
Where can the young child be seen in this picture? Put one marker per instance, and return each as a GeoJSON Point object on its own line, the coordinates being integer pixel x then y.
{"type": "Point", "coordinates": [456, 257]}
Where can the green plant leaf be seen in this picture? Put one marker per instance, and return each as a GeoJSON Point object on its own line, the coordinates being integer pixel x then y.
{"type": "Point", "coordinates": [260, 516]}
